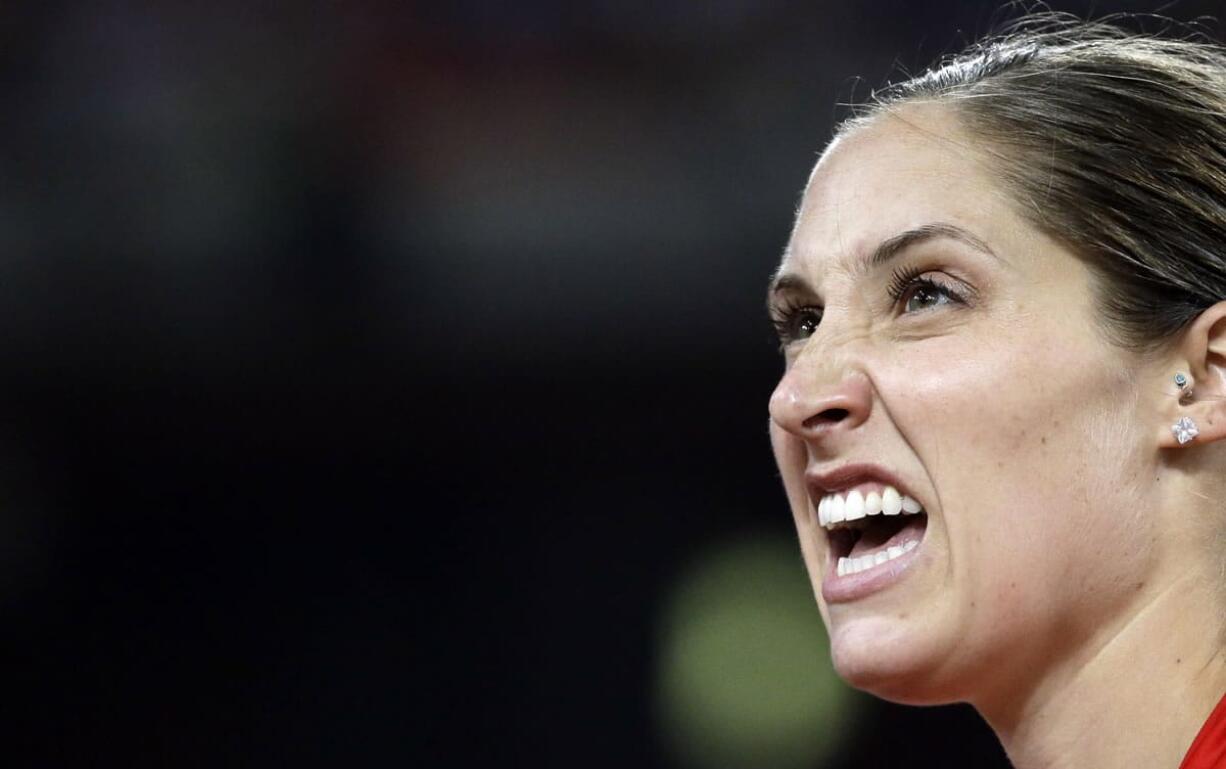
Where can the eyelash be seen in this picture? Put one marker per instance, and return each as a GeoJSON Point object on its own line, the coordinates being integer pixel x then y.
{"type": "Point", "coordinates": [787, 317]}
{"type": "Point", "coordinates": [908, 279]}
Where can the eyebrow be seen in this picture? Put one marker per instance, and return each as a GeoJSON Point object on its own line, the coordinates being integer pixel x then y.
{"type": "Point", "coordinates": [886, 250]}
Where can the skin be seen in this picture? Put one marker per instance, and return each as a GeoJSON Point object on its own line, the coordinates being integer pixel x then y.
{"type": "Point", "coordinates": [1068, 534]}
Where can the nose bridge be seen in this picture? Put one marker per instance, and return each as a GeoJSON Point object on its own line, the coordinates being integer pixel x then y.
{"type": "Point", "coordinates": [825, 390]}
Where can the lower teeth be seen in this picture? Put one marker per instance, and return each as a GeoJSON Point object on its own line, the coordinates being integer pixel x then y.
{"type": "Point", "coordinates": [854, 565]}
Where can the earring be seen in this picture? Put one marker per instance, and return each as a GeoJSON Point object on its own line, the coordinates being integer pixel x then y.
{"type": "Point", "coordinates": [1184, 430]}
{"type": "Point", "coordinates": [1185, 387]}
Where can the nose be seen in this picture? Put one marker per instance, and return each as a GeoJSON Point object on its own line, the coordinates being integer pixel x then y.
{"type": "Point", "coordinates": [814, 403]}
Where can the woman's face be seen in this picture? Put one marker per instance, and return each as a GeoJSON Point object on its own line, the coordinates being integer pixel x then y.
{"type": "Point", "coordinates": [938, 344]}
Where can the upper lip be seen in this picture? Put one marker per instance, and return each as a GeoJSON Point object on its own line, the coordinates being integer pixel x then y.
{"type": "Point", "coordinates": [846, 476]}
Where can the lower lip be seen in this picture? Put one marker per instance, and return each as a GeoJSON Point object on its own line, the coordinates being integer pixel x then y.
{"type": "Point", "coordinates": [853, 587]}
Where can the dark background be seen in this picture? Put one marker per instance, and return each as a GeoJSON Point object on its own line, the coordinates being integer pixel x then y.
{"type": "Point", "coordinates": [371, 368]}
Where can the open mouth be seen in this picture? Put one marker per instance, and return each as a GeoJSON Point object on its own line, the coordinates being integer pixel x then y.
{"type": "Point", "coordinates": [869, 526]}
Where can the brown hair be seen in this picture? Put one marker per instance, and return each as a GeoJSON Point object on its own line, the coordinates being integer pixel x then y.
{"type": "Point", "coordinates": [1113, 143]}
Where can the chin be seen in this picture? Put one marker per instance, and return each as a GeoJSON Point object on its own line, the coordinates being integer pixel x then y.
{"type": "Point", "coordinates": [880, 657]}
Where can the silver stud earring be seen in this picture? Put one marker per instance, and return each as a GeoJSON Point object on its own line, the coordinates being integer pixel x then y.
{"type": "Point", "coordinates": [1185, 387]}
{"type": "Point", "coordinates": [1184, 430]}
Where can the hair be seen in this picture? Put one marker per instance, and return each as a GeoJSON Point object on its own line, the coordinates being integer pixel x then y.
{"type": "Point", "coordinates": [1114, 144]}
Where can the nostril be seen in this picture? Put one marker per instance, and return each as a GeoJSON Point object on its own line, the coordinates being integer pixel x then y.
{"type": "Point", "coordinates": [830, 416]}
{"type": "Point", "coordinates": [811, 409]}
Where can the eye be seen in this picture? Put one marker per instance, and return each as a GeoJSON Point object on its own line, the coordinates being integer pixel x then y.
{"type": "Point", "coordinates": [795, 322]}
{"type": "Point", "coordinates": [918, 292]}
{"type": "Point", "coordinates": [926, 296]}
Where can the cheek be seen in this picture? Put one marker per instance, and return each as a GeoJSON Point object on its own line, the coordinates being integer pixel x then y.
{"type": "Point", "coordinates": [1032, 453]}
{"type": "Point", "coordinates": [1013, 408]}
{"type": "Point", "coordinates": [972, 420]}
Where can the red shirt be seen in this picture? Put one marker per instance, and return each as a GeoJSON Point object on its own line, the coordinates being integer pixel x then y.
{"type": "Point", "coordinates": [1208, 750]}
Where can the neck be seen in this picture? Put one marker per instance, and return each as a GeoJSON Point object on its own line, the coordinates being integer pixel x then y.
{"type": "Point", "coordinates": [1136, 695]}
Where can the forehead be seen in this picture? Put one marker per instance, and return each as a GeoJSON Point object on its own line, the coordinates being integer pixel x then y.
{"type": "Point", "coordinates": [904, 169]}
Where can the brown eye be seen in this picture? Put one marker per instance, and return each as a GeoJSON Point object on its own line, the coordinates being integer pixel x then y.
{"type": "Point", "coordinates": [925, 296]}
{"type": "Point", "coordinates": [794, 324]}
{"type": "Point", "coordinates": [914, 292]}
{"type": "Point", "coordinates": [807, 321]}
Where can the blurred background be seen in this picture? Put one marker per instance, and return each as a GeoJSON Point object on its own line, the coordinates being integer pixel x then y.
{"type": "Point", "coordinates": [385, 383]}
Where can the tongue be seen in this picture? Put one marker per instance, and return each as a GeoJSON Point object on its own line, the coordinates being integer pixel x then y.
{"type": "Point", "coordinates": [884, 532]}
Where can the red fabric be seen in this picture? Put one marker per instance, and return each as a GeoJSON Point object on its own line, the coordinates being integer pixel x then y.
{"type": "Point", "coordinates": [1208, 750]}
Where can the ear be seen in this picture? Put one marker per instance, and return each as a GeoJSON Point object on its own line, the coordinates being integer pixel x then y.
{"type": "Point", "coordinates": [1202, 350]}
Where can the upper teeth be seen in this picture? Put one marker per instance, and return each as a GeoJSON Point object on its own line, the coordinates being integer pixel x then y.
{"type": "Point", "coordinates": [835, 510]}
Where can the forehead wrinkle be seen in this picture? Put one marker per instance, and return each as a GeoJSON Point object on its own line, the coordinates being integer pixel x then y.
{"type": "Point", "coordinates": [786, 279]}
{"type": "Point", "coordinates": [791, 274]}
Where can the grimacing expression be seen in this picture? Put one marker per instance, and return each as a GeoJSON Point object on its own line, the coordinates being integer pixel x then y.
{"type": "Point", "coordinates": [939, 345]}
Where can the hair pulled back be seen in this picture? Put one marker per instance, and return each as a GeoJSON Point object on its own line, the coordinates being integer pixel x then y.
{"type": "Point", "coordinates": [1111, 142]}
